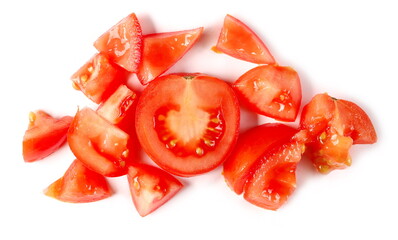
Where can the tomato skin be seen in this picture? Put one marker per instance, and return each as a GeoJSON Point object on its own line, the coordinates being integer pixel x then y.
{"type": "Point", "coordinates": [123, 43]}
{"type": "Point", "coordinates": [239, 41]}
{"type": "Point", "coordinates": [151, 187]}
{"type": "Point", "coordinates": [44, 135]}
{"type": "Point", "coordinates": [187, 97]}
{"type": "Point", "coordinates": [79, 185]}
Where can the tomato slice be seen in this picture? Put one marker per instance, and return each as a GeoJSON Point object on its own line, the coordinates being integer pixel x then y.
{"type": "Point", "coordinates": [239, 41]}
{"type": "Point", "coordinates": [100, 145]}
{"type": "Point", "coordinates": [79, 185]}
{"type": "Point", "coordinates": [151, 187]}
{"type": "Point", "coordinates": [187, 123]}
{"type": "Point", "coordinates": [44, 135]}
{"type": "Point", "coordinates": [123, 43]}
{"type": "Point", "coordinates": [162, 50]}
{"type": "Point", "coordinates": [98, 78]}
{"type": "Point", "coordinates": [251, 146]}
{"type": "Point", "coordinates": [271, 90]}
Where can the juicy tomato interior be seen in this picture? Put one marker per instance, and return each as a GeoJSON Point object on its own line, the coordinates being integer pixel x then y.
{"type": "Point", "coordinates": [123, 43]}
{"type": "Point", "coordinates": [163, 50]}
{"type": "Point", "coordinates": [187, 123]}
{"type": "Point", "coordinates": [44, 135]}
{"type": "Point", "coordinates": [151, 187]}
{"type": "Point", "coordinates": [271, 90]}
{"type": "Point", "coordinates": [79, 185]}
{"type": "Point", "coordinates": [238, 40]}
{"type": "Point", "coordinates": [98, 144]}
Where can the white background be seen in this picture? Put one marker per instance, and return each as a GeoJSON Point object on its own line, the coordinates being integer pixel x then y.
{"type": "Point", "coordinates": [346, 48]}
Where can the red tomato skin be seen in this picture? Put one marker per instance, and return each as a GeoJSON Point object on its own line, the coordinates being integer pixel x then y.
{"type": "Point", "coordinates": [79, 185]}
{"type": "Point", "coordinates": [44, 135]}
{"type": "Point", "coordinates": [151, 187]}
{"type": "Point", "coordinates": [123, 43]}
{"type": "Point", "coordinates": [239, 41]}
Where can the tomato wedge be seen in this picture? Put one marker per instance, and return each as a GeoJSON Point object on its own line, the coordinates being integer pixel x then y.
{"type": "Point", "coordinates": [79, 185]}
{"type": "Point", "coordinates": [151, 187]}
{"type": "Point", "coordinates": [162, 50]}
{"type": "Point", "coordinates": [239, 41]}
{"type": "Point", "coordinates": [98, 78]}
{"type": "Point", "coordinates": [187, 123]}
{"type": "Point", "coordinates": [44, 136]}
{"type": "Point", "coordinates": [271, 90]}
{"type": "Point", "coordinates": [123, 43]}
{"type": "Point", "coordinates": [98, 144]}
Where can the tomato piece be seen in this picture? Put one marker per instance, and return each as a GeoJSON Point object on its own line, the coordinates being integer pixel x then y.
{"type": "Point", "coordinates": [98, 78]}
{"type": "Point", "coordinates": [98, 144]}
{"type": "Point", "coordinates": [271, 90]}
{"type": "Point", "coordinates": [239, 41]}
{"type": "Point", "coordinates": [162, 50]}
{"type": "Point", "coordinates": [123, 43]}
{"type": "Point", "coordinates": [151, 187]}
{"type": "Point", "coordinates": [44, 135]}
{"type": "Point", "coordinates": [251, 146]}
{"type": "Point", "coordinates": [79, 185]}
{"type": "Point", "coordinates": [187, 123]}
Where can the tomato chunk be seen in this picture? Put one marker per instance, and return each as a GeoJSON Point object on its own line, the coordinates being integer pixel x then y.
{"type": "Point", "coordinates": [162, 50]}
{"type": "Point", "coordinates": [123, 43]}
{"type": "Point", "coordinates": [98, 144]}
{"type": "Point", "coordinates": [187, 123]}
{"type": "Point", "coordinates": [151, 187]}
{"type": "Point", "coordinates": [79, 185]}
{"type": "Point", "coordinates": [271, 90]}
{"type": "Point", "coordinates": [44, 136]}
{"type": "Point", "coordinates": [239, 41]}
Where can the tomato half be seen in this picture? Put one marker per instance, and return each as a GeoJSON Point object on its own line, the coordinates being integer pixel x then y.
{"type": "Point", "coordinates": [151, 187]}
{"type": "Point", "coordinates": [187, 123]}
{"type": "Point", "coordinates": [271, 90]}
{"type": "Point", "coordinates": [44, 136]}
{"type": "Point", "coordinates": [98, 144]}
{"type": "Point", "coordinates": [79, 185]}
{"type": "Point", "coordinates": [162, 50]}
{"type": "Point", "coordinates": [239, 41]}
{"type": "Point", "coordinates": [123, 43]}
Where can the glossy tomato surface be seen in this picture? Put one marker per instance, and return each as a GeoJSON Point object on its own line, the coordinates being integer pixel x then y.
{"type": "Point", "coordinates": [187, 123]}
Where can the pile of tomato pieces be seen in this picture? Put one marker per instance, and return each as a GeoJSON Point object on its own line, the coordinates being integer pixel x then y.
{"type": "Point", "coordinates": [188, 123]}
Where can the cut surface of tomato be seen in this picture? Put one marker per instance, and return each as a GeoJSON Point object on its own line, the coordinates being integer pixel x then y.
{"type": "Point", "coordinates": [271, 90]}
{"type": "Point", "coordinates": [123, 43]}
{"type": "Point", "coordinates": [151, 187]}
{"type": "Point", "coordinates": [162, 50]}
{"type": "Point", "coordinates": [250, 147]}
{"type": "Point", "coordinates": [98, 78]}
{"type": "Point", "coordinates": [187, 123]}
{"type": "Point", "coordinates": [98, 144]}
{"type": "Point", "coordinates": [79, 185]}
{"type": "Point", "coordinates": [239, 41]}
{"type": "Point", "coordinates": [44, 135]}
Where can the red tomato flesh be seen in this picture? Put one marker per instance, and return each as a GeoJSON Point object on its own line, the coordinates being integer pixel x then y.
{"type": "Point", "coordinates": [187, 123]}
{"type": "Point", "coordinates": [239, 41]}
{"type": "Point", "coordinates": [79, 185]}
{"type": "Point", "coordinates": [44, 136]}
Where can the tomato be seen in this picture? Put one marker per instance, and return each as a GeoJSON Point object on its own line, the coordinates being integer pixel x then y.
{"type": "Point", "coordinates": [98, 78]}
{"type": "Point", "coordinates": [44, 136]}
{"type": "Point", "coordinates": [333, 129]}
{"type": "Point", "coordinates": [123, 43]}
{"type": "Point", "coordinates": [239, 41]}
{"type": "Point", "coordinates": [163, 50]}
{"type": "Point", "coordinates": [79, 185]}
{"type": "Point", "coordinates": [100, 145]}
{"type": "Point", "coordinates": [151, 187]}
{"type": "Point", "coordinates": [251, 146]}
{"type": "Point", "coordinates": [187, 123]}
{"type": "Point", "coordinates": [271, 90]}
